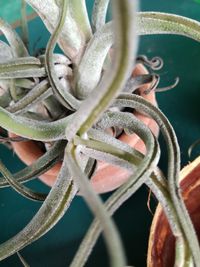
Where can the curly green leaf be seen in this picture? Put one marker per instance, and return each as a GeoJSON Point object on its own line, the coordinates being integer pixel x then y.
{"type": "Point", "coordinates": [24, 24]}
{"type": "Point", "coordinates": [51, 211]}
{"type": "Point", "coordinates": [40, 166]}
{"type": "Point", "coordinates": [21, 189]}
{"type": "Point", "coordinates": [97, 49]}
{"type": "Point", "coordinates": [99, 14]}
{"type": "Point", "coordinates": [79, 13]}
{"type": "Point", "coordinates": [110, 232]}
{"type": "Point", "coordinates": [101, 97]}
{"type": "Point", "coordinates": [17, 46]}
{"type": "Point", "coordinates": [134, 182]}
{"type": "Point", "coordinates": [70, 40]}
{"type": "Point", "coordinates": [37, 94]}
{"type": "Point", "coordinates": [164, 23]}
{"type": "Point", "coordinates": [32, 129]}
{"type": "Point", "coordinates": [64, 97]}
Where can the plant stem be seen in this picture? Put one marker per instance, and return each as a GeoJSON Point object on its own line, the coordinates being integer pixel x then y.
{"type": "Point", "coordinates": [111, 234]}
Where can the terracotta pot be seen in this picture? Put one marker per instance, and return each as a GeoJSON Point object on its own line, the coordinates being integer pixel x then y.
{"type": "Point", "coordinates": [161, 251]}
{"type": "Point", "coordinates": [107, 177]}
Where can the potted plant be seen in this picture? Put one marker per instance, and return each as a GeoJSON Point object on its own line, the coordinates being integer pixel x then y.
{"type": "Point", "coordinates": [28, 152]}
{"type": "Point", "coordinates": [73, 104]}
{"type": "Point", "coordinates": [102, 180]}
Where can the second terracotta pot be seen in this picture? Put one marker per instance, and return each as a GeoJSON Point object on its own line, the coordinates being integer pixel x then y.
{"type": "Point", "coordinates": [161, 251]}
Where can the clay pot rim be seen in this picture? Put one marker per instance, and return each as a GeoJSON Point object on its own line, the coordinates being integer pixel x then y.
{"type": "Point", "coordinates": [188, 169]}
{"type": "Point", "coordinates": [100, 187]}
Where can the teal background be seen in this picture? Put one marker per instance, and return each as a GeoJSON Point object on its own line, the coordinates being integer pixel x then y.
{"type": "Point", "coordinates": [10, 10]}
{"type": "Point", "coordinates": [181, 105]}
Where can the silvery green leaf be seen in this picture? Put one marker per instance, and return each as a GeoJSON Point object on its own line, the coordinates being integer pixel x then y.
{"type": "Point", "coordinates": [50, 103]}
{"type": "Point", "coordinates": [115, 79]}
{"type": "Point", "coordinates": [57, 59]}
{"type": "Point", "coordinates": [99, 14]}
{"type": "Point", "coordinates": [135, 181]}
{"type": "Point", "coordinates": [16, 44]}
{"type": "Point", "coordinates": [38, 93]}
{"type": "Point", "coordinates": [18, 187]}
{"type": "Point", "coordinates": [78, 11]}
{"type": "Point", "coordinates": [33, 129]}
{"type": "Point", "coordinates": [89, 71]}
{"type": "Point", "coordinates": [108, 139]}
{"type": "Point", "coordinates": [23, 73]}
{"type": "Point", "coordinates": [24, 83]}
{"type": "Point", "coordinates": [135, 101]}
{"type": "Point", "coordinates": [5, 52]}
{"type": "Point", "coordinates": [111, 236]}
{"type": "Point", "coordinates": [19, 62]}
{"type": "Point", "coordinates": [5, 55]}
{"type": "Point", "coordinates": [71, 39]}
{"type": "Point", "coordinates": [51, 211]}
{"type": "Point", "coordinates": [24, 24]}
{"type": "Point", "coordinates": [105, 157]}
{"type": "Point", "coordinates": [62, 95]}
{"type": "Point", "coordinates": [105, 152]}
{"type": "Point", "coordinates": [23, 261]}
{"type": "Point", "coordinates": [40, 166]}
{"type": "Point", "coordinates": [15, 68]}
{"type": "Point", "coordinates": [136, 82]}
{"type": "Point", "coordinates": [165, 23]}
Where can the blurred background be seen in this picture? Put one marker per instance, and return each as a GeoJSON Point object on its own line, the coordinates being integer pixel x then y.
{"type": "Point", "coordinates": [181, 59]}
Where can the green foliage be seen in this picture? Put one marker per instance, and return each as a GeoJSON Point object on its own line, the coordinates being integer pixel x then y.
{"type": "Point", "coordinates": [69, 101]}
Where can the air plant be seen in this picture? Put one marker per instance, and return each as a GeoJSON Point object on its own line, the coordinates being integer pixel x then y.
{"type": "Point", "coordinates": [69, 101]}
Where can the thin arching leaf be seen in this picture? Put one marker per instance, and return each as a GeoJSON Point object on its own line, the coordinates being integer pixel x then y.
{"type": "Point", "coordinates": [51, 211]}
{"type": "Point", "coordinates": [19, 63]}
{"type": "Point", "coordinates": [40, 166]}
{"type": "Point", "coordinates": [101, 136]}
{"type": "Point", "coordinates": [32, 129]}
{"type": "Point", "coordinates": [70, 40]}
{"type": "Point", "coordinates": [97, 48]}
{"type": "Point", "coordinates": [136, 82]}
{"type": "Point", "coordinates": [5, 99]}
{"type": "Point", "coordinates": [135, 101]}
{"type": "Point", "coordinates": [5, 52]}
{"type": "Point", "coordinates": [24, 83]}
{"type": "Point", "coordinates": [21, 189]}
{"type": "Point", "coordinates": [122, 194]}
{"type": "Point", "coordinates": [113, 81]}
{"type": "Point", "coordinates": [100, 151]}
{"type": "Point", "coordinates": [63, 96]}
{"type": "Point", "coordinates": [164, 23]}
{"type": "Point", "coordinates": [21, 68]}
{"type": "Point", "coordinates": [36, 94]}
{"type": "Point", "coordinates": [16, 44]}
{"type": "Point", "coordinates": [23, 261]}
{"type": "Point", "coordinates": [99, 14]}
{"type": "Point", "coordinates": [111, 236]}
{"type": "Point", "coordinates": [193, 146]}
{"type": "Point", "coordinates": [23, 73]}
{"type": "Point", "coordinates": [24, 24]}
{"type": "Point", "coordinates": [78, 11]}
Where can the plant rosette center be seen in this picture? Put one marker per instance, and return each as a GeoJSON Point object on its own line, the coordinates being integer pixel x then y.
{"type": "Point", "coordinates": [106, 177]}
